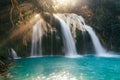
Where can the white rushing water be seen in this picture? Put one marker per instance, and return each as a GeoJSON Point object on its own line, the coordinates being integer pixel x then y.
{"type": "Point", "coordinates": [67, 22]}
{"type": "Point", "coordinates": [36, 49]}
{"type": "Point", "coordinates": [69, 45]}
{"type": "Point", "coordinates": [100, 50]}
{"type": "Point", "coordinates": [51, 31]}
{"type": "Point", "coordinates": [97, 45]}
{"type": "Point", "coordinates": [13, 54]}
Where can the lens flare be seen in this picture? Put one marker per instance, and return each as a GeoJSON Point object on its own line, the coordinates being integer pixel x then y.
{"type": "Point", "coordinates": [63, 4]}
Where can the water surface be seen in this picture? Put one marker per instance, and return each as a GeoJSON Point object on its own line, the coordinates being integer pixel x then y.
{"type": "Point", "coordinates": [61, 68]}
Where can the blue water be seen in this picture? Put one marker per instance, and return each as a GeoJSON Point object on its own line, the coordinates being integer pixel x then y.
{"type": "Point", "coordinates": [61, 68]}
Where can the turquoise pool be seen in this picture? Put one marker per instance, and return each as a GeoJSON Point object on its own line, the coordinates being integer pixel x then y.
{"type": "Point", "coordinates": [61, 68]}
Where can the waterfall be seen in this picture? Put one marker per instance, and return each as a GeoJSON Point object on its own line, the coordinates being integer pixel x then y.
{"type": "Point", "coordinates": [69, 45]}
{"type": "Point", "coordinates": [51, 41]}
{"type": "Point", "coordinates": [100, 50]}
{"type": "Point", "coordinates": [69, 23]}
{"type": "Point", "coordinates": [36, 49]}
{"type": "Point", "coordinates": [13, 53]}
{"type": "Point", "coordinates": [97, 45]}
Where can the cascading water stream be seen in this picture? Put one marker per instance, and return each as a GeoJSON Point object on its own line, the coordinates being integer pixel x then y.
{"type": "Point", "coordinates": [51, 41]}
{"type": "Point", "coordinates": [100, 50]}
{"type": "Point", "coordinates": [36, 49]}
{"type": "Point", "coordinates": [69, 45]}
{"type": "Point", "coordinates": [67, 22]}
{"type": "Point", "coordinates": [97, 45]}
{"type": "Point", "coordinates": [13, 53]}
